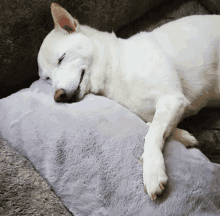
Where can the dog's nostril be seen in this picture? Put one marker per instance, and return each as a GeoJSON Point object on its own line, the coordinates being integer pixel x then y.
{"type": "Point", "coordinates": [60, 95]}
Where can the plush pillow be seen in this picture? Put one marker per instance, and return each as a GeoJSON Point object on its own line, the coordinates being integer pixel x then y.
{"type": "Point", "coordinates": [89, 152]}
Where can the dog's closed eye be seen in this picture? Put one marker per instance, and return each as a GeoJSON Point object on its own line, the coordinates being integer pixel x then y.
{"type": "Point", "coordinates": [47, 79]}
{"type": "Point", "coordinates": [61, 59]}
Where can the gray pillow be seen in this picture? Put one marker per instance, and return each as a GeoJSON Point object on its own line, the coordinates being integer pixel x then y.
{"type": "Point", "coordinates": [89, 152]}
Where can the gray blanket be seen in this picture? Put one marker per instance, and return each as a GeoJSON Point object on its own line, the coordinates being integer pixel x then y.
{"type": "Point", "coordinates": [89, 152]}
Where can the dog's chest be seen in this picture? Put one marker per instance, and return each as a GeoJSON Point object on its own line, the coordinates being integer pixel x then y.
{"type": "Point", "coordinates": [133, 83]}
{"type": "Point", "coordinates": [135, 100]}
{"type": "Point", "coordinates": [144, 109]}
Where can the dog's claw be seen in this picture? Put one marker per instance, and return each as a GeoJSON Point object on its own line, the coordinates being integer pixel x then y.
{"type": "Point", "coordinates": [162, 187]}
{"type": "Point", "coordinates": [153, 197]}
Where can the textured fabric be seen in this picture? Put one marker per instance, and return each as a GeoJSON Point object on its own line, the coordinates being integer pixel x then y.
{"type": "Point", "coordinates": [89, 152]}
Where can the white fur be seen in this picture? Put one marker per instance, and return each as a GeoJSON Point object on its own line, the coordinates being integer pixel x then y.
{"type": "Point", "coordinates": [162, 76]}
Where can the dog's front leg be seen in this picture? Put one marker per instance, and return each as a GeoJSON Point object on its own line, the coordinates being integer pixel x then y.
{"type": "Point", "coordinates": [169, 110]}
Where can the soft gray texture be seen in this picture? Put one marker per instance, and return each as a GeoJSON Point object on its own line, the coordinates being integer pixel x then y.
{"type": "Point", "coordinates": [89, 151]}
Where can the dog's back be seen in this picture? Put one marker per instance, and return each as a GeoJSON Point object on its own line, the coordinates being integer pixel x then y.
{"type": "Point", "coordinates": [191, 46]}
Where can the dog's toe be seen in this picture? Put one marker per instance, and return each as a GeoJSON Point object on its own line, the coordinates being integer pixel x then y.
{"type": "Point", "coordinates": [190, 141]}
{"type": "Point", "coordinates": [154, 175]}
{"type": "Point", "coordinates": [153, 197]}
{"type": "Point", "coordinates": [154, 183]}
{"type": "Point", "coordinates": [184, 137]}
{"type": "Point", "coordinates": [162, 187]}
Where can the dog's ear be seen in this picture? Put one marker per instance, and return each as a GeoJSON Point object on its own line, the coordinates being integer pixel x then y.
{"type": "Point", "coordinates": [63, 19]}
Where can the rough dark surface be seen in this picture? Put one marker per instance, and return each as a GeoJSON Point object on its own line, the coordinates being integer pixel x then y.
{"type": "Point", "coordinates": [22, 190]}
{"type": "Point", "coordinates": [165, 12]}
{"type": "Point", "coordinates": [213, 6]}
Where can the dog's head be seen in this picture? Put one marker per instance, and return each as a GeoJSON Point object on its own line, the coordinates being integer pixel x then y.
{"type": "Point", "coordinates": [65, 57]}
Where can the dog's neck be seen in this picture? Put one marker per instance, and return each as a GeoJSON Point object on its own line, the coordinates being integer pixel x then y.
{"type": "Point", "coordinates": [106, 60]}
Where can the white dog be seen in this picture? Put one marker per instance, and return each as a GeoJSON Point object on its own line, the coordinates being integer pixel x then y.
{"type": "Point", "coordinates": [162, 76]}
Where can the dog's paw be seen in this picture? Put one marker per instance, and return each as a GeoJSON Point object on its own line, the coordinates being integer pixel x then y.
{"type": "Point", "coordinates": [190, 141]}
{"type": "Point", "coordinates": [184, 137]}
{"type": "Point", "coordinates": [154, 175]}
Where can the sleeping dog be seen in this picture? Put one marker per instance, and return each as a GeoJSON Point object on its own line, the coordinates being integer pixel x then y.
{"type": "Point", "coordinates": [162, 76]}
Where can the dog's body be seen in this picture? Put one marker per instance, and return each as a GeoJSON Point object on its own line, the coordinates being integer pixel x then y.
{"type": "Point", "coordinates": [162, 76]}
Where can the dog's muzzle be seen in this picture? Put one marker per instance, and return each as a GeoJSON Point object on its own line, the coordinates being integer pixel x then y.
{"type": "Point", "coordinates": [60, 96]}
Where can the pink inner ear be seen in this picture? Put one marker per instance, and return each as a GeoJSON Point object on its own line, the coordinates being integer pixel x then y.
{"type": "Point", "coordinates": [62, 18]}
{"type": "Point", "coordinates": [64, 21]}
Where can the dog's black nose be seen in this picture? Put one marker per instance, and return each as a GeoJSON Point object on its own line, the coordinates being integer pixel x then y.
{"type": "Point", "coordinates": [60, 96]}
